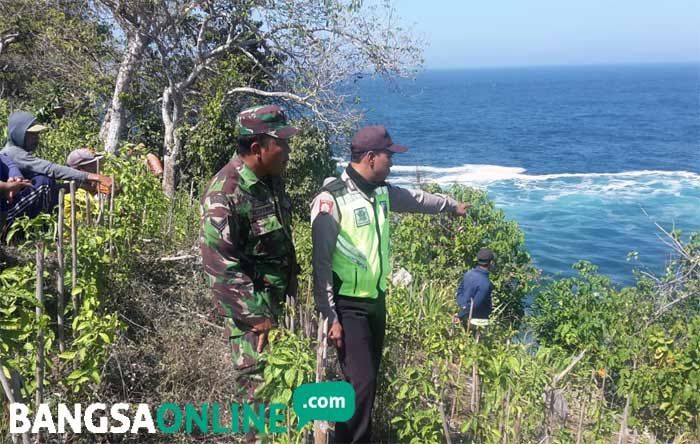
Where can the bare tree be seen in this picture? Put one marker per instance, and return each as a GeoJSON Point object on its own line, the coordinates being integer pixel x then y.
{"type": "Point", "coordinates": [324, 47]}
{"type": "Point", "coordinates": [310, 53]}
{"type": "Point", "coordinates": [139, 21]}
{"type": "Point", "coordinates": [198, 39]}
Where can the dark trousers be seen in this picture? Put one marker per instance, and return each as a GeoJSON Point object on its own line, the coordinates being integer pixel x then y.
{"type": "Point", "coordinates": [42, 197]}
{"type": "Point", "coordinates": [364, 323]}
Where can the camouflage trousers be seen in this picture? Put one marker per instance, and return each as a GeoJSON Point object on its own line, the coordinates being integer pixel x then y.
{"type": "Point", "coordinates": [247, 363]}
{"type": "Point", "coordinates": [247, 368]}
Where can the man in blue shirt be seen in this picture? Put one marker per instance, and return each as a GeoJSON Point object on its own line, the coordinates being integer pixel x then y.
{"type": "Point", "coordinates": [474, 293]}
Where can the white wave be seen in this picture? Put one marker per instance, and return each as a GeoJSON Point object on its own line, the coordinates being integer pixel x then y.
{"type": "Point", "coordinates": [480, 175]}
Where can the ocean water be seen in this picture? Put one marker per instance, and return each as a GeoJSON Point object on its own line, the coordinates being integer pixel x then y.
{"type": "Point", "coordinates": [588, 160]}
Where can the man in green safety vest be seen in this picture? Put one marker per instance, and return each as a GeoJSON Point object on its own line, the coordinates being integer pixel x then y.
{"type": "Point", "coordinates": [351, 266]}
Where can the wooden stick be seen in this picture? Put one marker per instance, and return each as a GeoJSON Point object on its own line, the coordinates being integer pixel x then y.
{"type": "Point", "coordinates": [455, 399]}
{"type": "Point", "coordinates": [170, 216]}
{"type": "Point", "coordinates": [443, 417]}
{"type": "Point", "coordinates": [100, 201]}
{"type": "Point", "coordinates": [321, 427]}
{"type": "Point", "coordinates": [111, 214]}
{"type": "Point", "coordinates": [88, 209]}
{"type": "Point", "coordinates": [560, 376]}
{"type": "Point", "coordinates": [516, 428]}
{"type": "Point", "coordinates": [622, 436]}
{"type": "Point", "coordinates": [308, 327]}
{"type": "Point", "coordinates": [471, 310]}
{"type": "Point", "coordinates": [579, 427]}
{"type": "Point", "coordinates": [600, 409]}
{"type": "Point", "coordinates": [40, 331]}
{"type": "Point", "coordinates": [74, 248]}
{"type": "Point", "coordinates": [10, 394]}
{"type": "Point", "coordinates": [474, 404]}
{"type": "Point", "coordinates": [143, 215]}
{"type": "Point", "coordinates": [504, 427]}
{"type": "Point", "coordinates": [60, 287]}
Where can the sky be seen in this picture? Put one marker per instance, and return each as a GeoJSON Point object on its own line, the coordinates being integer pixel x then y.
{"type": "Point", "coordinates": [489, 33]}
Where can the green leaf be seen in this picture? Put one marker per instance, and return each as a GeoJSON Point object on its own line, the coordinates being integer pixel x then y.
{"type": "Point", "coordinates": [68, 355]}
{"type": "Point", "coordinates": [76, 374]}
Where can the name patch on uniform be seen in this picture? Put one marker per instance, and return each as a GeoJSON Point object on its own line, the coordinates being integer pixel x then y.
{"type": "Point", "coordinates": [262, 211]}
{"type": "Point", "coordinates": [361, 217]}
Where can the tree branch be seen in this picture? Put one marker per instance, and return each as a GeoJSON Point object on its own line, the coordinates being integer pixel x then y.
{"type": "Point", "coordinates": [284, 95]}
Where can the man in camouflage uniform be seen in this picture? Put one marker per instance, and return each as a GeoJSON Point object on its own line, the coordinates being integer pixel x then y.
{"type": "Point", "coordinates": [246, 239]}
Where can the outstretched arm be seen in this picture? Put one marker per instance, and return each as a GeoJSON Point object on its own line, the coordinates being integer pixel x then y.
{"type": "Point", "coordinates": [403, 200]}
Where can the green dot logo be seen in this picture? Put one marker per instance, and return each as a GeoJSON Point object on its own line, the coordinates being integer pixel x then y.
{"type": "Point", "coordinates": [324, 401]}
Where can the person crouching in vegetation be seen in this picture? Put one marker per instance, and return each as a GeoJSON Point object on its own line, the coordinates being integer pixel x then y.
{"type": "Point", "coordinates": [82, 159]}
{"type": "Point", "coordinates": [22, 139]}
{"type": "Point", "coordinates": [474, 292]}
{"type": "Point", "coordinates": [11, 183]}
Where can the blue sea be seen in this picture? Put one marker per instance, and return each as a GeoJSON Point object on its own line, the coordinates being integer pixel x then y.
{"type": "Point", "coordinates": [586, 159]}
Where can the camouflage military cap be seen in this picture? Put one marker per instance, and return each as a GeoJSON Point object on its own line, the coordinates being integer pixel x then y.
{"type": "Point", "coordinates": [268, 119]}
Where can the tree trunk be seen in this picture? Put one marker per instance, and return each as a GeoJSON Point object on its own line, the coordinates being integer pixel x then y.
{"type": "Point", "coordinates": [171, 111]}
{"type": "Point", "coordinates": [113, 124]}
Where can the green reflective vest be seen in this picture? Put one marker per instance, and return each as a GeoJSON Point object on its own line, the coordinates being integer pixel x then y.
{"type": "Point", "coordinates": [361, 256]}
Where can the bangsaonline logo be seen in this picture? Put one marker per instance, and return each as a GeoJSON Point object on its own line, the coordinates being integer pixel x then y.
{"type": "Point", "coordinates": [325, 401]}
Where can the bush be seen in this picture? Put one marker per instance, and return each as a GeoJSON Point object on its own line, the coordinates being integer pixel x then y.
{"type": "Point", "coordinates": [441, 248]}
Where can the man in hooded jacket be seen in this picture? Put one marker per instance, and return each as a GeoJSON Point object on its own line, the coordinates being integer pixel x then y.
{"type": "Point", "coordinates": [22, 138]}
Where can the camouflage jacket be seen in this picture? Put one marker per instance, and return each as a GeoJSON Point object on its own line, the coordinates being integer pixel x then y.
{"type": "Point", "coordinates": [246, 244]}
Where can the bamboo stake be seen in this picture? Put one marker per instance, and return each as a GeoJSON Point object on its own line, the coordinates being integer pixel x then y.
{"type": "Point", "coordinates": [308, 308]}
{"type": "Point", "coordinates": [74, 248]}
{"type": "Point", "coordinates": [516, 429]}
{"type": "Point", "coordinates": [455, 399]}
{"type": "Point", "coordinates": [143, 215]}
{"type": "Point", "coordinates": [474, 402]}
{"type": "Point", "coordinates": [10, 394]}
{"type": "Point", "coordinates": [504, 425]}
{"type": "Point", "coordinates": [111, 218]}
{"type": "Point", "coordinates": [600, 410]}
{"type": "Point", "coordinates": [292, 305]}
{"type": "Point", "coordinates": [443, 417]}
{"type": "Point", "coordinates": [40, 331]}
{"type": "Point", "coordinates": [88, 209]}
{"type": "Point", "coordinates": [579, 427]}
{"type": "Point", "coordinates": [100, 202]}
{"type": "Point", "coordinates": [622, 436]}
{"type": "Point", "coordinates": [60, 287]}
{"type": "Point", "coordinates": [471, 310]}
{"type": "Point", "coordinates": [321, 427]}
{"type": "Point", "coordinates": [170, 216]}
{"type": "Point", "coordinates": [192, 207]}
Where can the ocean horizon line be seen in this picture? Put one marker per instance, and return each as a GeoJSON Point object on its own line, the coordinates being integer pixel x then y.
{"type": "Point", "coordinates": [695, 63]}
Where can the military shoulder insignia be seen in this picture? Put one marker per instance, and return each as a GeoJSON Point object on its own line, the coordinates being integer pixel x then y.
{"type": "Point", "coordinates": [219, 223]}
{"type": "Point", "coordinates": [361, 217]}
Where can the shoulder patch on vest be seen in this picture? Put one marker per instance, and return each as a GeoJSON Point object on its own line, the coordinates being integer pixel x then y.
{"type": "Point", "coordinates": [325, 206]}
